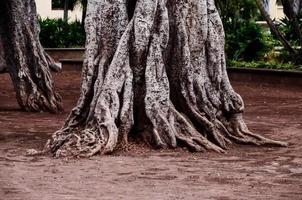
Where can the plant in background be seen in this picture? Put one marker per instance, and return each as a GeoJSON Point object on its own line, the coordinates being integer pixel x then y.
{"type": "Point", "coordinates": [57, 33]}
{"type": "Point", "coordinates": [291, 8]}
{"type": "Point", "coordinates": [287, 28]}
{"type": "Point", "coordinates": [247, 42]}
{"type": "Point", "coordinates": [264, 65]}
{"type": "Point", "coordinates": [244, 38]}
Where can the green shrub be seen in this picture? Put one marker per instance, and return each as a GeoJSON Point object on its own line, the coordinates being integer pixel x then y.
{"type": "Point", "coordinates": [245, 39]}
{"type": "Point", "coordinates": [264, 65]}
{"type": "Point", "coordinates": [57, 33]}
{"type": "Point", "coordinates": [286, 27]}
{"type": "Point", "coordinates": [247, 42]}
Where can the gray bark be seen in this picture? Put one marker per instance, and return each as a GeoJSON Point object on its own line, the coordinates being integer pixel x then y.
{"type": "Point", "coordinates": [28, 64]}
{"type": "Point", "coordinates": [159, 76]}
{"type": "Point", "coordinates": [297, 6]}
{"type": "Point", "coordinates": [3, 68]}
{"type": "Point", "coordinates": [65, 17]}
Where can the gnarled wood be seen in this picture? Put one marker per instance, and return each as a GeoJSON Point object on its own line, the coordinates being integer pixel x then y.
{"type": "Point", "coordinates": [26, 60]}
{"type": "Point", "coordinates": [160, 76]}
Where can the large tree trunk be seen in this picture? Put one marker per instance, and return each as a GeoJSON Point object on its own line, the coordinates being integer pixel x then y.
{"type": "Point", "coordinates": [159, 76]}
{"type": "Point", "coordinates": [27, 62]}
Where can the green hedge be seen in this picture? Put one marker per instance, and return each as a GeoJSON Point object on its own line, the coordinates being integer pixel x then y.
{"type": "Point", "coordinates": [246, 42]}
{"type": "Point", "coordinates": [264, 65]}
{"type": "Point", "coordinates": [245, 39]}
{"type": "Point", "coordinates": [57, 33]}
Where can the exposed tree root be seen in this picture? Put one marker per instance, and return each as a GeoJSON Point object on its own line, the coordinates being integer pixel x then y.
{"type": "Point", "coordinates": [161, 77]}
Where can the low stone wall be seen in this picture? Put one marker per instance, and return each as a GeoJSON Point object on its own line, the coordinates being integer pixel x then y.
{"type": "Point", "coordinates": [261, 76]}
{"type": "Point", "coordinates": [72, 59]}
{"type": "Point", "coordinates": [266, 76]}
{"type": "Point", "coordinates": [66, 53]}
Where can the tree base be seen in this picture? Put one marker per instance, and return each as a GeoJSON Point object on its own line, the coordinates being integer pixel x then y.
{"type": "Point", "coordinates": [160, 76]}
{"type": "Point", "coordinates": [89, 142]}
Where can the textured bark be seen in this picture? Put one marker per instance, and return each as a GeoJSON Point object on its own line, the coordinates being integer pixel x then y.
{"type": "Point", "coordinates": [159, 76]}
{"type": "Point", "coordinates": [3, 67]}
{"type": "Point", "coordinates": [27, 62]}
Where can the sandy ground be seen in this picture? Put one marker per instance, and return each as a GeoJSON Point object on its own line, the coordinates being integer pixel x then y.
{"type": "Point", "coordinates": [245, 172]}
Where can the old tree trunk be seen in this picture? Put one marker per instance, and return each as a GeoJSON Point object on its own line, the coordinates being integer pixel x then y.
{"type": "Point", "coordinates": [28, 64]}
{"type": "Point", "coordinates": [157, 74]}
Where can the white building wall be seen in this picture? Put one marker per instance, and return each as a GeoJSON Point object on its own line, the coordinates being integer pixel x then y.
{"type": "Point", "coordinates": [275, 11]}
{"type": "Point", "coordinates": [44, 11]}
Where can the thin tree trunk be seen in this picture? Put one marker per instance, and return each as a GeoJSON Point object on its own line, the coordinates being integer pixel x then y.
{"type": "Point", "coordinates": [159, 76]}
{"type": "Point", "coordinates": [65, 17]}
{"type": "Point", "coordinates": [288, 8]}
{"type": "Point", "coordinates": [297, 6]}
{"type": "Point", "coordinates": [84, 9]}
{"type": "Point", "coordinates": [293, 53]}
{"type": "Point", "coordinates": [28, 64]}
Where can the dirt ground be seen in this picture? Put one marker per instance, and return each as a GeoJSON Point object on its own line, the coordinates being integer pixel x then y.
{"type": "Point", "coordinates": [245, 172]}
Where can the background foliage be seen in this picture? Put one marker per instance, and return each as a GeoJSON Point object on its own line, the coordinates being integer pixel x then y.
{"type": "Point", "coordinates": [244, 38]}
{"type": "Point", "coordinates": [287, 28]}
{"type": "Point", "coordinates": [57, 33]}
{"type": "Point", "coordinates": [246, 41]}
